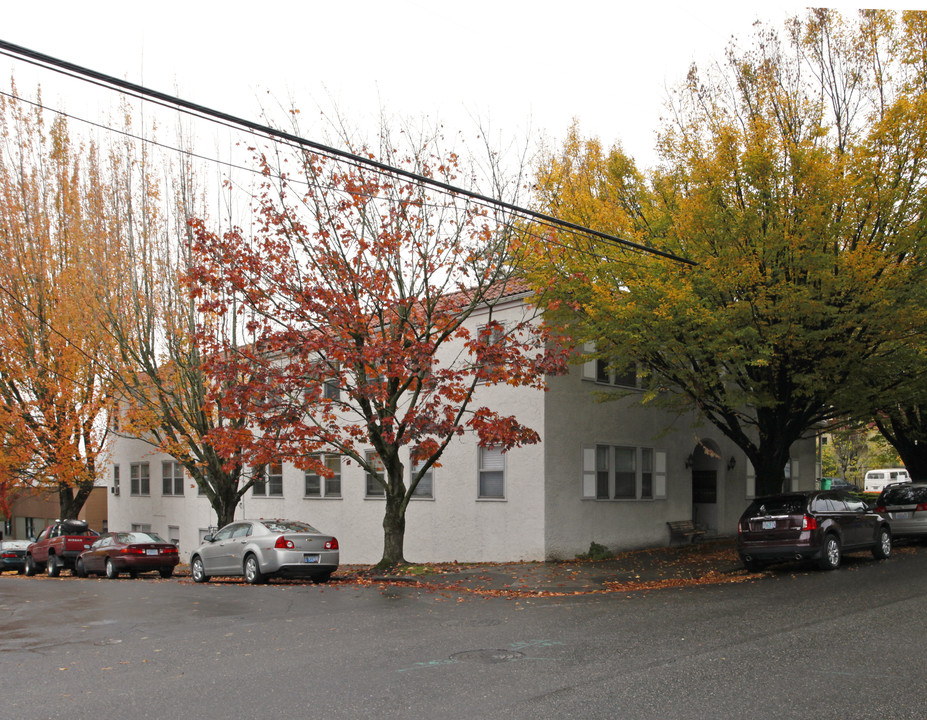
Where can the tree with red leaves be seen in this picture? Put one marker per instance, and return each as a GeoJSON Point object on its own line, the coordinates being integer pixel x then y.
{"type": "Point", "coordinates": [358, 290]}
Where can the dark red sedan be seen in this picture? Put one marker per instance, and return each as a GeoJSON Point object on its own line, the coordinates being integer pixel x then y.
{"type": "Point", "coordinates": [132, 552]}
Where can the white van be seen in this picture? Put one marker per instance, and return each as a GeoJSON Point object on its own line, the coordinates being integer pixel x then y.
{"type": "Point", "coordinates": [877, 479]}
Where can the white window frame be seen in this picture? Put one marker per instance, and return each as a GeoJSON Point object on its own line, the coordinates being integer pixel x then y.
{"type": "Point", "coordinates": [596, 370]}
{"type": "Point", "coordinates": [490, 463]}
{"type": "Point", "coordinates": [327, 485]}
{"type": "Point", "coordinates": [172, 482]}
{"type": "Point", "coordinates": [268, 483]}
{"type": "Point", "coordinates": [373, 489]}
{"type": "Point", "coordinates": [139, 482]}
{"type": "Point", "coordinates": [425, 490]}
{"type": "Point", "coordinates": [600, 458]}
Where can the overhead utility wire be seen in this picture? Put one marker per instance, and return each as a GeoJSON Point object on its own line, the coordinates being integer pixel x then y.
{"type": "Point", "coordinates": [72, 69]}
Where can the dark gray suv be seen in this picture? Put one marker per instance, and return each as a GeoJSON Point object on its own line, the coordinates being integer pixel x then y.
{"type": "Point", "coordinates": [816, 525]}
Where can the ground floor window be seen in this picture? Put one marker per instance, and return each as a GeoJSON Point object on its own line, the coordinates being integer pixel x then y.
{"type": "Point", "coordinates": [623, 472]}
{"type": "Point", "coordinates": [325, 485]}
{"type": "Point", "coordinates": [492, 473]}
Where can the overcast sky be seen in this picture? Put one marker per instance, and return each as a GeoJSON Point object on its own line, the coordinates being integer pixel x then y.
{"type": "Point", "coordinates": [521, 67]}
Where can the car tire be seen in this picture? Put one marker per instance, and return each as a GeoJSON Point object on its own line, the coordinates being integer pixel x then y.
{"type": "Point", "coordinates": [52, 566]}
{"type": "Point", "coordinates": [323, 578]}
{"type": "Point", "coordinates": [111, 572]}
{"type": "Point", "coordinates": [197, 571]}
{"type": "Point", "coordinates": [831, 553]}
{"type": "Point", "coordinates": [253, 575]}
{"type": "Point", "coordinates": [166, 572]}
{"type": "Point", "coordinates": [79, 569]}
{"type": "Point", "coordinates": [29, 568]}
{"type": "Point", "coordinates": [883, 547]}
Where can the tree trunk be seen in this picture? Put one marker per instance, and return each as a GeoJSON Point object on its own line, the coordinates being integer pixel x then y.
{"type": "Point", "coordinates": [71, 500]}
{"type": "Point", "coordinates": [394, 531]}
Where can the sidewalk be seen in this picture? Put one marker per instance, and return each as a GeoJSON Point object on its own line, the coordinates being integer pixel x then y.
{"type": "Point", "coordinates": [707, 562]}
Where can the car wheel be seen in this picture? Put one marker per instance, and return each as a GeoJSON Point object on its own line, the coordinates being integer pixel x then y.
{"type": "Point", "coordinates": [253, 573]}
{"type": "Point", "coordinates": [198, 571]}
{"type": "Point", "coordinates": [830, 558]}
{"type": "Point", "coordinates": [166, 572]}
{"type": "Point", "coordinates": [133, 574]}
{"type": "Point", "coordinates": [52, 566]}
{"type": "Point", "coordinates": [79, 569]}
{"type": "Point", "coordinates": [883, 547]}
{"type": "Point", "coordinates": [111, 572]}
{"type": "Point", "coordinates": [323, 578]}
{"type": "Point", "coordinates": [29, 569]}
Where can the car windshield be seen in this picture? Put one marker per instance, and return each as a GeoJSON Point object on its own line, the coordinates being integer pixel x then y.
{"type": "Point", "coordinates": [781, 505]}
{"type": "Point", "coordinates": [129, 538]}
{"type": "Point", "coordinates": [288, 526]}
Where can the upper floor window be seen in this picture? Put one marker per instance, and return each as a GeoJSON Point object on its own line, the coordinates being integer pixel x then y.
{"type": "Point", "coordinates": [139, 479]}
{"type": "Point", "coordinates": [602, 372]}
{"type": "Point", "coordinates": [171, 478]}
{"type": "Point", "coordinates": [325, 486]}
{"type": "Point", "coordinates": [268, 480]}
{"type": "Point", "coordinates": [374, 480]}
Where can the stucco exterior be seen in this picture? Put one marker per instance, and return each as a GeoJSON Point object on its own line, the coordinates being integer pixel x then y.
{"type": "Point", "coordinates": [546, 511]}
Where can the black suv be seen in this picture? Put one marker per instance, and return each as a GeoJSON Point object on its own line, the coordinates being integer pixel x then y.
{"type": "Point", "coordinates": [816, 525]}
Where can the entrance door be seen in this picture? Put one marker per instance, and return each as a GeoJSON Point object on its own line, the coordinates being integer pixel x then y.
{"type": "Point", "coordinates": [705, 464]}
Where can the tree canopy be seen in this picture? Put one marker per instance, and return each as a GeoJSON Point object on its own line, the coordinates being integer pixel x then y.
{"type": "Point", "coordinates": [793, 175]}
{"type": "Point", "coordinates": [358, 291]}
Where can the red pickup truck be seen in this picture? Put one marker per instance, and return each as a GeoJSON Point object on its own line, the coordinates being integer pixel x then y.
{"type": "Point", "coordinates": [57, 547]}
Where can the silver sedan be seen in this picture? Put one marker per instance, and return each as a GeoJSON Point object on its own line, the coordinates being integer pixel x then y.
{"type": "Point", "coordinates": [261, 549]}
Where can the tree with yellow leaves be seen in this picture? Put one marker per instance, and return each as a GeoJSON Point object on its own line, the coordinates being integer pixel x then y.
{"type": "Point", "coordinates": [792, 176]}
{"type": "Point", "coordinates": [54, 370]}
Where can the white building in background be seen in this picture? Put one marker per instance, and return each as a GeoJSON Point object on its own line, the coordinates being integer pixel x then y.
{"type": "Point", "coordinates": [613, 473]}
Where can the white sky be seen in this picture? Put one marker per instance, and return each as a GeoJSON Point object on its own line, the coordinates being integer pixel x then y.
{"type": "Point", "coordinates": [522, 67]}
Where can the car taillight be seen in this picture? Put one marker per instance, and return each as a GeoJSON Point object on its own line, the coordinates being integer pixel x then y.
{"type": "Point", "coordinates": [880, 509]}
{"type": "Point", "coordinates": [8, 555]}
{"type": "Point", "coordinates": [132, 551]}
{"type": "Point", "coordinates": [809, 523]}
{"type": "Point", "coordinates": [921, 507]}
{"type": "Point", "coordinates": [172, 550]}
{"type": "Point", "coordinates": [331, 544]}
{"type": "Point", "coordinates": [284, 544]}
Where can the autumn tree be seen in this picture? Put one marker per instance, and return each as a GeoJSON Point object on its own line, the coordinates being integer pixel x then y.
{"type": "Point", "coordinates": [791, 175]}
{"type": "Point", "coordinates": [165, 395]}
{"type": "Point", "coordinates": [54, 250]}
{"type": "Point", "coordinates": [358, 290]}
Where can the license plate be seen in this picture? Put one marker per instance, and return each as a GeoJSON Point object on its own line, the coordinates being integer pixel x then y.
{"type": "Point", "coordinates": [310, 558]}
{"type": "Point", "coordinates": [769, 524]}
{"type": "Point", "coordinates": [902, 515]}
{"type": "Point", "coordinates": [151, 552]}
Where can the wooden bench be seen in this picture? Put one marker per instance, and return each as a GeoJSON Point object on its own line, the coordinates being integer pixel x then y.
{"type": "Point", "coordinates": [684, 529]}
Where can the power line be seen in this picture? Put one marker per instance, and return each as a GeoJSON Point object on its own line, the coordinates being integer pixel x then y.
{"type": "Point", "coordinates": [107, 81]}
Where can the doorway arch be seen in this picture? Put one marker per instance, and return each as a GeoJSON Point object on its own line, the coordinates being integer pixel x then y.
{"type": "Point", "coordinates": [706, 463]}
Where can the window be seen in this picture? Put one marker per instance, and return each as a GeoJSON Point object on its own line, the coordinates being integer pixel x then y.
{"type": "Point", "coordinates": [599, 370]}
{"type": "Point", "coordinates": [331, 389]}
{"type": "Point", "coordinates": [492, 473]}
{"type": "Point", "coordinates": [320, 486]}
{"type": "Point", "coordinates": [425, 487]}
{"type": "Point", "coordinates": [115, 479]}
{"type": "Point", "coordinates": [619, 472]}
{"type": "Point", "coordinates": [489, 360]}
{"type": "Point", "coordinates": [141, 527]}
{"type": "Point", "coordinates": [268, 480]}
{"type": "Point", "coordinates": [138, 479]}
{"type": "Point", "coordinates": [374, 488]}
{"type": "Point", "coordinates": [173, 534]}
{"type": "Point", "coordinates": [171, 478]}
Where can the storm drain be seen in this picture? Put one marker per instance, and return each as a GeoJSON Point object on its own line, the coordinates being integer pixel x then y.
{"type": "Point", "coordinates": [487, 657]}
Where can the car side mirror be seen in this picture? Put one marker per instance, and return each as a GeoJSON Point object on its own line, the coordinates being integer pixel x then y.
{"type": "Point", "coordinates": [208, 538]}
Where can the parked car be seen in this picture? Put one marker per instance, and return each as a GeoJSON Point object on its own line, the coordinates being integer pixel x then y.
{"type": "Point", "coordinates": [13, 555]}
{"type": "Point", "coordinates": [904, 505]}
{"type": "Point", "coordinates": [132, 552]}
{"type": "Point", "coordinates": [261, 549]}
{"type": "Point", "coordinates": [813, 525]}
{"type": "Point", "coordinates": [57, 547]}
{"type": "Point", "coordinates": [838, 484]}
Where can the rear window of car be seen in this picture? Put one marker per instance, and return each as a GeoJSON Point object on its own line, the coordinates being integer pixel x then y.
{"type": "Point", "coordinates": [904, 495]}
{"type": "Point", "coordinates": [782, 505]}
{"type": "Point", "coordinates": [285, 526]}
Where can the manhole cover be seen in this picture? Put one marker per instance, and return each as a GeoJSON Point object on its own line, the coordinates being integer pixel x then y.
{"type": "Point", "coordinates": [487, 657]}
